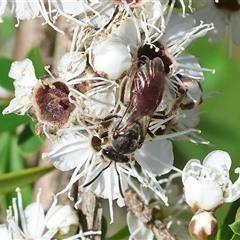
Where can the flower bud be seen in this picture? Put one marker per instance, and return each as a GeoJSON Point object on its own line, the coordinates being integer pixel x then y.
{"type": "Point", "coordinates": [203, 225]}
{"type": "Point", "coordinates": [63, 218]}
{"type": "Point", "coordinates": [111, 58]}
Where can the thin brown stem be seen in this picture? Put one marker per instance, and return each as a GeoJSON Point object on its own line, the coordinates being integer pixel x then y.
{"type": "Point", "coordinates": [145, 215]}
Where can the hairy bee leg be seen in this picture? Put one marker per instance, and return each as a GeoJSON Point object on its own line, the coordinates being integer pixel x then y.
{"type": "Point", "coordinates": [125, 89]}
{"type": "Point", "coordinates": [122, 89]}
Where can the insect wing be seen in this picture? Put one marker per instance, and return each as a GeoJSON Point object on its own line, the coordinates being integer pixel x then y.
{"type": "Point", "coordinates": [146, 94]}
{"type": "Point", "coordinates": [147, 88]}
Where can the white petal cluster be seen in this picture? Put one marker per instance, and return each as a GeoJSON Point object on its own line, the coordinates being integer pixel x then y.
{"type": "Point", "coordinates": [74, 150]}
{"type": "Point", "coordinates": [24, 74]}
{"type": "Point", "coordinates": [207, 186]}
{"type": "Point", "coordinates": [32, 218]}
{"type": "Point", "coordinates": [93, 88]}
{"type": "Point", "coordinates": [94, 13]}
{"type": "Point", "coordinates": [32, 223]}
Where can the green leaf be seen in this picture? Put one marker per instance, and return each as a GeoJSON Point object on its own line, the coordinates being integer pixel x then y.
{"type": "Point", "coordinates": [10, 121]}
{"type": "Point", "coordinates": [5, 139]}
{"type": "Point", "coordinates": [123, 233]}
{"type": "Point", "coordinates": [10, 181]}
{"type": "Point", "coordinates": [104, 227]}
{"type": "Point", "coordinates": [12, 161]}
{"type": "Point", "coordinates": [176, 5]}
{"type": "Point", "coordinates": [235, 226]}
{"type": "Point", "coordinates": [225, 231]}
{"type": "Point", "coordinates": [7, 30]}
{"type": "Point", "coordinates": [235, 237]}
{"type": "Point", "coordinates": [28, 142]}
{"type": "Point", "coordinates": [34, 55]}
{"type": "Point", "coordinates": [5, 81]}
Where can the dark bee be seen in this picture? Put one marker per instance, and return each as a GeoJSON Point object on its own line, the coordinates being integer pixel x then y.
{"type": "Point", "coordinates": [146, 94]}
{"type": "Point", "coordinates": [129, 133]}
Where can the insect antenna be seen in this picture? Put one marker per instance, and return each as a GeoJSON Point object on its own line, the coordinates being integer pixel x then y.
{"type": "Point", "coordinates": [119, 180]}
{"type": "Point", "coordinates": [87, 184]}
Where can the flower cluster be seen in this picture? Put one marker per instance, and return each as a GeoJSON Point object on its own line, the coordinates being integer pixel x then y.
{"type": "Point", "coordinates": [125, 90]}
{"type": "Point", "coordinates": [60, 221]}
{"type": "Point", "coordinates": [117, 98]}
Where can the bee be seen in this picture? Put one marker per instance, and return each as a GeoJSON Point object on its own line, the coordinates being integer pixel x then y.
{"type": "Point", "coordinates": [145, 96]}
{"type": "Point", "coordinates": [129, 133]}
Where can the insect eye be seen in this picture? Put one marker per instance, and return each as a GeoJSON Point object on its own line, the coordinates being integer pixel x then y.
{"type": "Point", "coordinates": [113, 155]}
{"type": "Point", "coordinates": [105, 152]}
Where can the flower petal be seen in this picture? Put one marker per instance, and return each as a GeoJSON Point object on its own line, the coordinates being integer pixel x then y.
{"type": "Point", "coordinates": [156, 156]}
{"type": "Point", "coordinates": [217, 159]}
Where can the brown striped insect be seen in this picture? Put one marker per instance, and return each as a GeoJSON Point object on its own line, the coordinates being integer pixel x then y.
{"type": "Point", "coordinates": [130, 131]}
{"type": "Point", "coordinates": [146, 94]}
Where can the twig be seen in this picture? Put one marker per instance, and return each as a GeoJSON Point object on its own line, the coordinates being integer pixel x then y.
{"type": "Point", "coordinates": [90, 213]}
{"type": "Point", "coordinates": [144, 214]}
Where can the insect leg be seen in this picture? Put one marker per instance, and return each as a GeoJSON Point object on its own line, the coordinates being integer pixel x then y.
{"type": "Point", "coordinates": [87, 184]}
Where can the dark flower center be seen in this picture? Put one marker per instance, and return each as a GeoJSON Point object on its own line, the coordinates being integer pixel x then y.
{"type": "Point", "coordinates": [153, 52]}
{"type": "Point", "coordinates": [53, 103]}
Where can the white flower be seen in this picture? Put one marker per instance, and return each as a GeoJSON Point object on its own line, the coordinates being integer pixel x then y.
{"type": "Point", "coordinates": [103, 13]}
{"type": "Point", "coordinates": [50, 99]}
{"type": "Point", "coordinates": [222, 14]}
{"type": "Point", "coordinates": [175, 216]}
{"type": "Point", "coordinates": [32, 218]}
{"type": "Point", "coordinates": [80, 149]}
{"type": "Point", "coordinates": [71, 65]}
{"type": "Point", "coordinates": [26, 10]}
{"type": "Point", "coordinates": [183, 72]}
{"type": "Point", "coordinates": [180, 33]}
{"type": "Point", "coordinates": [33, 223]}
{"type": "Point", "coordinates": [129, 33]}
{"type": "Point", "coordinates": [24, 74]}
{"type": "Point", "coordinates": [207, 186]}
{"type": "Point", "coordinates": [150, 18]}
{"type": "Point", "coordinates": [75, 8]}
{"type": "Point", "coordinates": [75, 150]}
{"type": "Point", "coordinates": [94, 13]}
